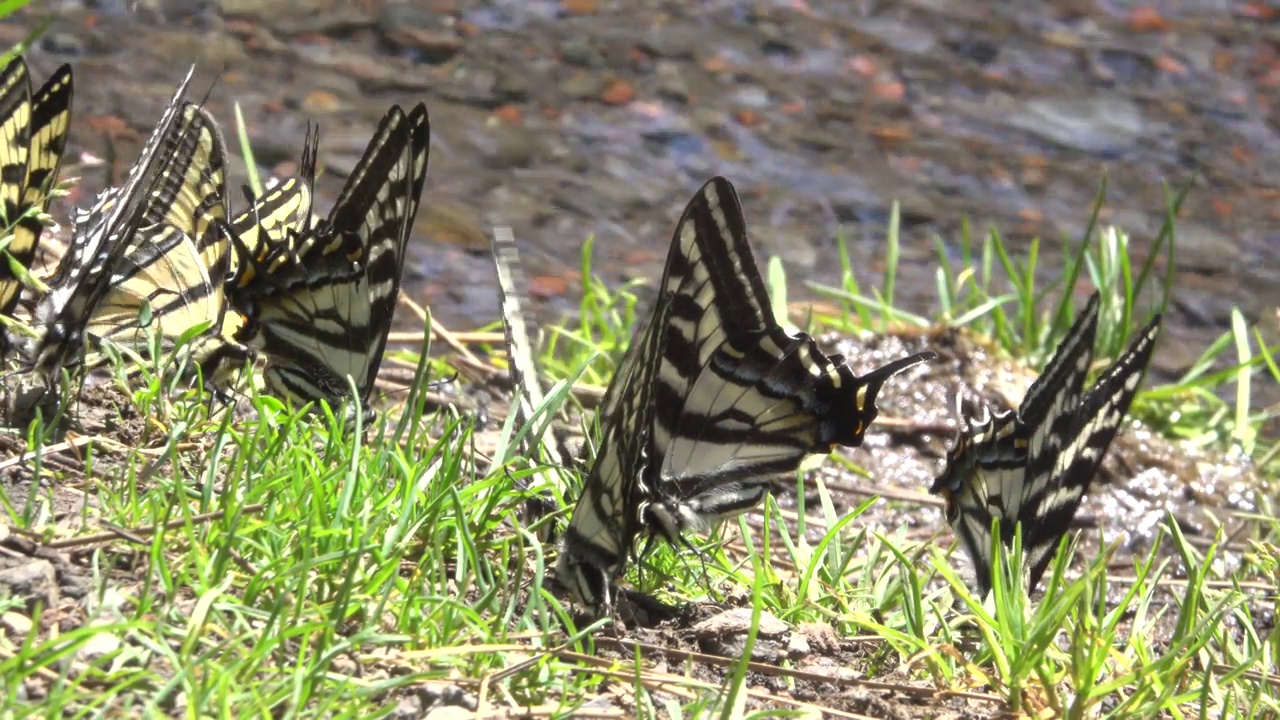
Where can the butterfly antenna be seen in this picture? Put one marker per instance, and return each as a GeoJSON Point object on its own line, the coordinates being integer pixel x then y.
{"type": "Point", "coordinates": [204, 99]}
{"type": "Point", "coordinates": [307, 167]}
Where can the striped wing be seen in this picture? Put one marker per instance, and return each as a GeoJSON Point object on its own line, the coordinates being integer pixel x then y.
{"type": "Point", "coordinates": [984, 479]}
{"type": "Point", "coordinates": [102, 234]}
{"type": "Point", "coordinates": [607, 517]}
{"type": "Point", "coordinates": [15, 135]}
{"type": "Point", "coordinates": [33, 135]}
{"type": "Point", "coordinates": [1060, 474]}
{"type": "Point", "coordinates": [1033, 468]}
{"type": "Point", "coordinates": [176, 263]}
{"type": "Point", "coordinates": [717, 402]}
{"type": "Point", "coordinates": [523, 369]}
{"type": "Point", "coordinates": [319, 306]}
{"type": "Point", "coordinates": [1047, 409]}
{"type": "Point", "coordinates": [280, 215]}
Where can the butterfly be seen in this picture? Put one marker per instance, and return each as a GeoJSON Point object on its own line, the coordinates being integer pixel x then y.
{"type": "Point", "coordinates": [317, 298]}
{"type": "Point", "coordinates": [176, 263]}
{"type": "Point", "coordinates": [102, 235]}
{"type": "Point", "coordinates": [1033, 466]}
{"type": "Point", "coordinates": [711, 404]}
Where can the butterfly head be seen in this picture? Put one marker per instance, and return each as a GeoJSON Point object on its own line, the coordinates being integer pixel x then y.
{"type": "Point", "coordinates": [584, 575]}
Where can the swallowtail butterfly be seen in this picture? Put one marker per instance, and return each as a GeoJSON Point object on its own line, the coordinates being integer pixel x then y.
{"type": "Point", "coordinates": [1033, 466]}
{"type": "Point", "coordinates": [102, 235]}
{"type": "Point", "coordinates": [177, 261]}
{"type": "Point", "coordinates": [317, 300]}
{"type": "Point", "coordinates": [711, 404]}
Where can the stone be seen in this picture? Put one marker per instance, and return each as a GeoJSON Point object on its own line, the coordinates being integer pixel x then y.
{"type": "Point", "coordinates": [16, 625]}
{"type": "Point", "coordinates": [35, 581]}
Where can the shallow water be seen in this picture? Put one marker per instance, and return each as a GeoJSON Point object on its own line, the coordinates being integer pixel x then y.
{"type": "Point", "coordinates": [601, 119]}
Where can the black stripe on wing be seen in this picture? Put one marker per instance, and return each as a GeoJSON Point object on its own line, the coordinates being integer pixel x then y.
{"type": "Point", "coordinates": [1049, 412]}
{"type": "Point", "coordinates": [50, 126]}
{"type": "Point", "coordinates": [395, 218]}
{"type": "Point", "coordinates": [15, 132]}
{"type": "Point", "coordinates": [717, 229]}
{"type": "Point", "coordinates": [607, 516]}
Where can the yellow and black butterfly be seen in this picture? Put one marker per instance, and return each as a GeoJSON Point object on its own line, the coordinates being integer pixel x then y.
{"type": "Point", "coordinates": [317, 303]}
{"type": "Point", "coordinates": [712, 403]}
{"type": "Point", "coordinates": [33, 135]}
{"type": "Point", "coordinates": [1032, 467]}
{"type": "Point", "coordinates": [141, 226]}
{"type": "Point", "coordinates": [177, 262]}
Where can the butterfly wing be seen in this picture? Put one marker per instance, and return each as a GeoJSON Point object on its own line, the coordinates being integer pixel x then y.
{"type": "Point", "coordinates": [320, 306]}
{"type": "Point", "coordinates": [983, 480]}
{"type": "Point", "coordinates": [33, 136]}
{"type": "Point", "coordinates": [1059, 476]}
